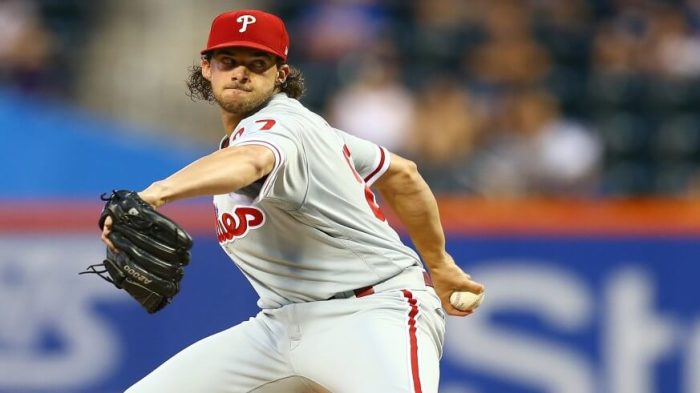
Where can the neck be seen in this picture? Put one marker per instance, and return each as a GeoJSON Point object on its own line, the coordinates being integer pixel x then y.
{"type": "Point", "coordinates": [230, 121]}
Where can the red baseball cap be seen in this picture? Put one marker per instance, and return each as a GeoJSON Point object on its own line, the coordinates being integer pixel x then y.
{"type": "Point", "coordinates": [249, 29]}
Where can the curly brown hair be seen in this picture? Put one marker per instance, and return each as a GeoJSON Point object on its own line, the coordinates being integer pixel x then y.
{"type": "Point", "coordinates": [200, 89]}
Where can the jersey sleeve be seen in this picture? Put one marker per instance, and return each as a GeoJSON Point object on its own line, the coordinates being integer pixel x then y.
{"type": "Point", "coordinates": [285, 182]}
{"type": "Point", "coordinates": [370, 160]}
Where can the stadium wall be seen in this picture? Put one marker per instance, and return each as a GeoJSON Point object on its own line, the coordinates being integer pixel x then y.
{"type": "Point", "coordinates": [582, 297]}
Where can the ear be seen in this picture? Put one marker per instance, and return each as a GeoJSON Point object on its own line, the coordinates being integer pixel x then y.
{"type": "Point", "coordinates": [282, 73]}
{"type": "Point", "coordinates": [206, 69]}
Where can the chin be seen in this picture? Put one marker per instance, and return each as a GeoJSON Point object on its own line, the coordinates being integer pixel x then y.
{"type": "Point", "coordinates": [239, 104]}
{"type": "Point", "coordinates": [235, 106]}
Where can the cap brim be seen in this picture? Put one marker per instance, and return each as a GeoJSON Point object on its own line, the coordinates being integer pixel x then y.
{"type": "Point", "coordinates": [245, 44]}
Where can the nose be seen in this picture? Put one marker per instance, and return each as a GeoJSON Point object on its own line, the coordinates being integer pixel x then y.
{"type": "Point", "coordinates": [239, 74]}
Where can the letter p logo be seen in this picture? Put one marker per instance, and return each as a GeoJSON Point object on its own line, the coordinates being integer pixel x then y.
{"type": "Point", "coordinates": [245, 20]}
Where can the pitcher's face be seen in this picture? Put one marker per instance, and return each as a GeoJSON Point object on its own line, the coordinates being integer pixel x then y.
{"type": "Point", "coordinates": [242, 79]}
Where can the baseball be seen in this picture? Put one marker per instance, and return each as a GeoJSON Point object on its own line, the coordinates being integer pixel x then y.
{"type": "Point", "coordinates": [465, 301]}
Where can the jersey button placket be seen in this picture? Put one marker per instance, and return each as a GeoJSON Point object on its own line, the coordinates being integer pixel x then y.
{"type": "Point", "coordinates": [293, 326]}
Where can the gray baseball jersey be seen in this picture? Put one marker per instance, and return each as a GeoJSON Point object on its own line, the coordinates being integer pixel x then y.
{"type": "Point", "coordinates": [311, 228]}
{"type": "Point", "coordinates": [311, 231]}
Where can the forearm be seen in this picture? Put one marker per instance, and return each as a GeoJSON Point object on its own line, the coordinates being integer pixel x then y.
{"type": "Point", "coordinates": [416, 207]}
{"type": "Point", "coordinates": [406, 192]}
{"type": "Point", "coordinates": [221, 172]}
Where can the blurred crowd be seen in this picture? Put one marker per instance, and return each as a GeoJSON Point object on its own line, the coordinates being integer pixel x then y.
{"type": "Point", "coordinates": [40, 44]}
{"type": "Point", "coordinates": [496, 98]}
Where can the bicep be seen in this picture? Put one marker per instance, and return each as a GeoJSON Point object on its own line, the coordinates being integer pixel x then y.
{"type": "Point", "coordinates": [256, 159]}
{"type": "Point", "coordinates": [280, 165]}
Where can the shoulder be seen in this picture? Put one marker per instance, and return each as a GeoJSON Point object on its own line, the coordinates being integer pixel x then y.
{"type": "Point", "coordinates": [281, 112]}
{"type": "Point", "coordinates": [282, 116]}
{"type": "Point", "coordinates": [293, 111]}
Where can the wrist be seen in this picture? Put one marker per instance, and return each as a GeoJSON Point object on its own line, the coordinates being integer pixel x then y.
{"type": "Point", "coordinates": [438, 261]}
{"type": "Point", "coordinates": [156, 194]}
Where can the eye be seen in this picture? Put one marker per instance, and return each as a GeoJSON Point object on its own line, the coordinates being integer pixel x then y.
{"type": "Point", "coordinates": [258, 64]}
{"type": "Point", "coordinates": [226, 60]}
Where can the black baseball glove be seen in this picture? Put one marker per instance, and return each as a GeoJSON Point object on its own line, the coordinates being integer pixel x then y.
{"type": "Point", "coordinates": [151, 250]}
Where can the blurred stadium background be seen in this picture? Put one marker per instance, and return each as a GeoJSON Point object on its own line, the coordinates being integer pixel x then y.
{"type": "Point", "coordinates": [562, 137]}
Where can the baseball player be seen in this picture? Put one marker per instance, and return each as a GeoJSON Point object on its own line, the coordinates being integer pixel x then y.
{"type": "Point", "coordinates": [343, 302]}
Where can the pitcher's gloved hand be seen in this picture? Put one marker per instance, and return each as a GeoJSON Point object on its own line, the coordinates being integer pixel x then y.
{"type": "Point", "coordinates": [150, 250]}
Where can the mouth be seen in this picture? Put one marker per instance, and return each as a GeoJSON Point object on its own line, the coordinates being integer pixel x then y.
{"type": "Point", "coordinates": [237, 88]}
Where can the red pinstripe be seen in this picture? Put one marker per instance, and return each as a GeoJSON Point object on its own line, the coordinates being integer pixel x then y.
{"type": "Point", "coordinates": [413, 340]}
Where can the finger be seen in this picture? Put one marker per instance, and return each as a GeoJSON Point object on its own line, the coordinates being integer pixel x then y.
{"type": "Point", "coordinates": [457, 313]}
{"type": "Point", "coordinates": [109, 243]}
{"type": "Point", "coordinates": [452, 310]}
{"type": "Point", "coordinates": [471, 286]}
{"type": "Point", "coordinates": [105, 236]}
{"type": "Point", "coordinates": [469, 310]}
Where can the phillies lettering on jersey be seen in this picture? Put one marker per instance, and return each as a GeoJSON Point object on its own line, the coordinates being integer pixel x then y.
{"type": "Point", "coordinates": [233, 226]}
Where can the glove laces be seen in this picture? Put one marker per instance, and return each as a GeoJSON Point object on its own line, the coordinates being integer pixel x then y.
{"type": "Point", "coordinates": [102, 273]}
